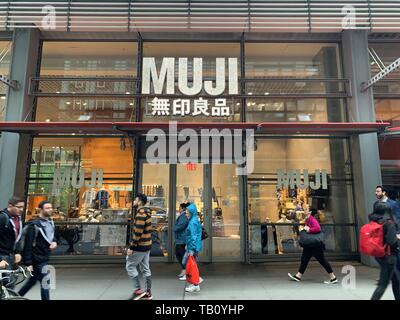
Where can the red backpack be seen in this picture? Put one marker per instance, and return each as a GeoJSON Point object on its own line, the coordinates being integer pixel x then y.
{"type": "Point", "coordinates": [371, 240]}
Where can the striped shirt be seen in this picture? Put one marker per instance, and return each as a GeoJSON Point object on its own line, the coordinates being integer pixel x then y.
{"type": "Point", "coordinates": [141, 237]}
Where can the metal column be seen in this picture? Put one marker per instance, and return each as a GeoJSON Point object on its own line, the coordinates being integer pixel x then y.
{"type": "Point", "coordinates": [15, 149]}
{"type": "Point", "coordinates": [364, 148]}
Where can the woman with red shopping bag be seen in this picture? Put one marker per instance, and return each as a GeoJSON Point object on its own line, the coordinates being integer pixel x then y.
{"type": "Point", "coordinates": [193, 248]}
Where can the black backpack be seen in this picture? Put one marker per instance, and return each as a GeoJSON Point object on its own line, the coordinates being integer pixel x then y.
{"type": "Point", "coordinates": [7, 219]}
{"type": "Point", "coordinates": [21, 242]}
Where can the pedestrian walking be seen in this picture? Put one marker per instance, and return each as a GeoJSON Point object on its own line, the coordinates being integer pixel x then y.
{"type": "Point", "coordinates": [10, 232]}
{"type": "Point", "coordinates": [388, 271]}
{"type": "Point", "coordinates": [193, 242]}
{"type": "Point", "coordinates": [313, 250]}
{"type": "Point", "coordinates": [138, 253]}
{"type": "Point", "coordinates": [181, 224]}
{"type": "Point", "coordinates": [382, 195]}
{"type": "Point", "coordinates": [37, 242]}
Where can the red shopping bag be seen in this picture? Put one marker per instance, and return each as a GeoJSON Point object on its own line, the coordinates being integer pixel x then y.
{"type": "Point", "coordinates": [192, 272]}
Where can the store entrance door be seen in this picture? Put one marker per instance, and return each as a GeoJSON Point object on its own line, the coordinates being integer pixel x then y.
{"type": "Point", "coordinates": [213, 188]}
{"type": "Point", "coordinates": [215, 191]}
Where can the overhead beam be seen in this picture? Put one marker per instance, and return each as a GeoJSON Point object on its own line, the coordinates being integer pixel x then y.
{"type": "Point", "coordinates": [11, 83]}
{"type": "Point", "coordinates": [385, 72]}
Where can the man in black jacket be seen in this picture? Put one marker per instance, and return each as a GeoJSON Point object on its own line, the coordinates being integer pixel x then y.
{"type": "Point", "coordinates": [38, 243]}
{"type": "Point", "coordinates": [382, 214]}
{"type": "Point", "coordinates": [10, 232]}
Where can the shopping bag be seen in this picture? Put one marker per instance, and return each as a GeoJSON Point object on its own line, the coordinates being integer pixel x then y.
{"type": "Point", "coordinates": [311, 239]}
{"type": "Point", "coordinates": [192, 272]}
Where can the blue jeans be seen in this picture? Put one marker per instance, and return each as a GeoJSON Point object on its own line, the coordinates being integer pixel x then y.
{"type": "Point", "coordinates": [186, 256]}
{"type": "Point", "coordinates": [38, 275]}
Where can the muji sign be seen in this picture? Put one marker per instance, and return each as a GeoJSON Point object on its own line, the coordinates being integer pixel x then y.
{"type": "Point", "coordinates": [166, 76]}
{"type": "Point", "coordinates": [163, 81]}
{"type": "Point", "coordinates": [293, 178]}
{"type": "Point", "coordinates": [75, 178]}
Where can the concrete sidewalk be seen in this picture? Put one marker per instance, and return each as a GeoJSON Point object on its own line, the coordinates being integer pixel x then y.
{"type": "Point", "coordinates": [222, 281]}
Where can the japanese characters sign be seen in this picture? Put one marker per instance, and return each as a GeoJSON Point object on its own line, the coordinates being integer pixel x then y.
{"type": "Point", "coordinates": [186, 107]}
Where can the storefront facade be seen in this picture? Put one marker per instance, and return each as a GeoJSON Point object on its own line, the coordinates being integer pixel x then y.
{"type": "Point", "coordinates": [387, 107]}
{"type": "Point", "coordinates": [91, 102]}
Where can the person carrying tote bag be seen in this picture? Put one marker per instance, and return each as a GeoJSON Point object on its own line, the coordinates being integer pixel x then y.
{"type": "Point", "coordinates": [311, 239]}
{"type": "Point", "coordinates": [308, 239]}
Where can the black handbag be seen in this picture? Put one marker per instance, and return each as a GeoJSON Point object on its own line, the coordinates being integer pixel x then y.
{"type": "Point", "coordinates": [204, 234]}
{"type": "Point", "coordinates": [311, 239]}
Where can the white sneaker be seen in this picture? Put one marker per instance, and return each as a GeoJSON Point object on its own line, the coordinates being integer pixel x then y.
{"type": "Point", "coordinates": [183, 278]}
{"type": "Point", "coordinates": [192, 288]}
{"type": "Point", "coordinates": [183, 272]}
{"type": "Point", "coordinates": [332, 281]}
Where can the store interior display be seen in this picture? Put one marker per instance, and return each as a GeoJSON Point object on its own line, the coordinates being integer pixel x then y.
{"type": "Point", "coordinates": [277, 235]}
{"type": "Point", "coordinates": [158, 204]}
{"type": "Point", "coordinates": [98, 201]}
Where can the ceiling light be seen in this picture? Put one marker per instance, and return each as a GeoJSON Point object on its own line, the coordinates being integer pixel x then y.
{"type": "Point", "coordinates": [250, 93]}
{"type": "Point", "coordinates": [58, 92]}
{"type": "Point", "coordinates": [266, 93]}
{"type": "Point", "coordinates": [3, 98]}
{"type": "Point", "coordinates": [48, 120]}
{"type": "Point", "coordinates": [84, 117]}
{"type": "Point", "coordinates": [131, 104]}
{"type": "Point", "coordinates": [127, 92]}
{"type": "Point", "coordinates": [68, 102]}
{"type": "Point", "coordinates": [73, 134]}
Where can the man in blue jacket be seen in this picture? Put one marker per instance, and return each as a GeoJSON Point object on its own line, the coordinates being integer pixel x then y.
{"type": "Point", "coordinates": [382, 196]}
{"type": "Point", "coordinates": [180, 236]}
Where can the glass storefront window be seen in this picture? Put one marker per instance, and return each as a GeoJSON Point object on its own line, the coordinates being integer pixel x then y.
{"type": "Point", "coordinates": [2, 107]}
{"type": "Point", "coordinates": [296, 110]}
{"type": "Point", "coordinates": [77, 100]}
{"type": "Point", "coordinates": [88, 59]}
{"type": "Point", "coordinates": [5, 60]}
{"type": "Point", "coordinates": [388, 110]}
{"type": "Point", "coordinates": [208, 52]}
{"type": "Point", "coordinates": [275, 204]}
{"type": "Point", "coordinates": [294, 60]}
{"type": "Point", "coordinates": [85, 109]}
{"type": "Point", "coordinates": [226, 211]}
{"type": "Point", "coordinates": [384, 53]}
{"type": "Point", "coordinates": [155, 184]}
{"type": "Point", "coordinates": [390, 165]}
{"type": "Point", "coordinates": [88, 180]}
